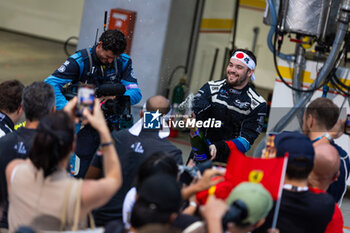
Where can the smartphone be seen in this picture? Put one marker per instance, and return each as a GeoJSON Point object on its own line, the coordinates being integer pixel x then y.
{"type": "Point", "coordinates": [347, 125]}
{"type": "Point", "coordinates": [86, 97]}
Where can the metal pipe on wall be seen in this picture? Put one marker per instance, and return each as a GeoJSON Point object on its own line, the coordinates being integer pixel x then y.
{"type": "Point", "coordinates": [225, 61]}
{"type": "Point", "coordinates": [235, 23]}
{"type": "Point", "coordinates": [255, 38]}
{"type": "Point", "coordinates": [328, 66]}
{"type": "Point", "coordinates": [299, 65]}
{"type": "Point", "coordinates": [194, 40]}
{"type": "Point", "coordinates": [344, 18]}
{"type": "Point", "coordinates": [214, 64]}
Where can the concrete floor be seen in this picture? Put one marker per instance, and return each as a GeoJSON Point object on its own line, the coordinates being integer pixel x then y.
{"type": "Point", "coordinates": [31, 59]}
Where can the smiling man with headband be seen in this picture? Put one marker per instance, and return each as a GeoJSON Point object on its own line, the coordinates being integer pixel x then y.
{"type": "Point", "coordinates": [235, 103]}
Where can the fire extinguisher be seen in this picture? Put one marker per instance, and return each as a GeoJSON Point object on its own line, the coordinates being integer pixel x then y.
{"type": "Point", "coordinates": [179, 93]}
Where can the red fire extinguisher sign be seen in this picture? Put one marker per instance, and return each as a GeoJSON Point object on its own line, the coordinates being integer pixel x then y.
{"type": "Point", "coordinates": [124, 20]}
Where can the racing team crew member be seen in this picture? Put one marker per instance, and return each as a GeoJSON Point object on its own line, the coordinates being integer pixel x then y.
{"type": "Point", "coordinates": [101, 64]}
{"type": "Point", "coordinates": [104, 63]}
{"type": "Point", "coordinates": [235, 103]}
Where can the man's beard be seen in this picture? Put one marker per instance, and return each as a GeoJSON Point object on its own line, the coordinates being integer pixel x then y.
{"type": "Point", "coordinates": [239, 81]}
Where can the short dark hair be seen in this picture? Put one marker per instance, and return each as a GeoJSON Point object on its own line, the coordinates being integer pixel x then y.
{"type": "Point", "coordinates": [53, 141]}
{"type": "Point", "coordinates": [11, 95]}
{"type": "Point", "coordinates": [249, 53]}
{"type": "Point", "coordinates": [325, 112]}
{"type": "Point", "coordinates": [298, 172]}
{"type": "Point", "coordinates": [113, 40]}
{"type": "Point", "coordinates": [158, 162]}
{"type": "Point", "coordinates": [38, 100]}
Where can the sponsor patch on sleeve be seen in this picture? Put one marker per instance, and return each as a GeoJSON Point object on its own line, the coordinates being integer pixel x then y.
{"type": "Point", "coordinates": [131, 86]}
{"type": "Point", "coordinates": [62, 68]}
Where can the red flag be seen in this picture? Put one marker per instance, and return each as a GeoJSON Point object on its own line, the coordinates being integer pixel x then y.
{"type": "Point", "coordinates": [268, 172]}
{"type": "Point", "coordinates": [221, 190]}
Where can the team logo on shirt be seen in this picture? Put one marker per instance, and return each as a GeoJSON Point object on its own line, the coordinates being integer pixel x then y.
{"type": "Point", "coordinates": [62, 68]}
{"type": "Point", "coordinates": [223, 93]}
{"type": "Point", "coordinates": [240, 104]}
{"type": "Point", "coordinates": [233, 91]}
{"type": "Point", "coordinates": [137, 147]}
{"type": "Point", "coordinates": [20, 148]}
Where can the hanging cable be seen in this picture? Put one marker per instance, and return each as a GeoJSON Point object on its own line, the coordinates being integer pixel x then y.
{"type": "Point", "coordinates": [273, 31]}
{"type": "Point", "coordinates": [66, 43]}
{"type": "Point", "coordinates": [337, 83]}
{"type": "Point", "coordinates": [279, 74]}
{"type": "Point", "coordinates": [167, 92]}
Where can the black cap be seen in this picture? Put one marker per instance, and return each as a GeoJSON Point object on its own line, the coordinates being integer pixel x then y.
{"type": "Point", "coordinates": [297, 145]}
{"type": "Point", "coordinates": [161, 192]}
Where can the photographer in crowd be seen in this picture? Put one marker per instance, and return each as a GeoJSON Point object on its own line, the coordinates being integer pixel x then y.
{"type": "Point", "coordinates": [33, 184]}
{"type": "Point", "coordinates": [245, 209]}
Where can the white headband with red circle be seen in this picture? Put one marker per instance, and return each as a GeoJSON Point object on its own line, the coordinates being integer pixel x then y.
{"type": "Point", "coordinates": [248, 61]}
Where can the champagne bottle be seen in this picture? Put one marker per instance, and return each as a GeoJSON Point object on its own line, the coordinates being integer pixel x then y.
{"type": "Point", "coordinates": [200, 148]}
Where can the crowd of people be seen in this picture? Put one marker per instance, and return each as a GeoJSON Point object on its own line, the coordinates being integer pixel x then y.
{"type": "Point", "coordinates": [130, 179]}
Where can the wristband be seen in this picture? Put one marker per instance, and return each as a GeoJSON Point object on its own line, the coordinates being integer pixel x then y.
{"type": "Point", "coordinates": [329, 137]}
{"type": "Point", "coordinates": [106, 144]}
{"type": "Point", "coordinates": [194, 204]}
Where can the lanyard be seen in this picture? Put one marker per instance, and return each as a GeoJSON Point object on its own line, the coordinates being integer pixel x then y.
{"type": "Point", "coordinates": [295, 188]}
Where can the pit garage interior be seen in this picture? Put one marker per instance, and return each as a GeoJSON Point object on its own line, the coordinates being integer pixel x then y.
{"type": "Point", "coordinates": [189, 40]}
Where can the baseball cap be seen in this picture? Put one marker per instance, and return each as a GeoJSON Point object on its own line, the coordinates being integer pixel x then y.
{"type": "Point", "coordinates": [297, 145]}
{"type": "Point", "coordinates": [257, 199]}
{"type": "Point", "coordinates": [161, 192]}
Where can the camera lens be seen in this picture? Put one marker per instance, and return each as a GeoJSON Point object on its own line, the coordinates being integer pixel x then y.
{"type": "Point", "coordinates": [237, 212]}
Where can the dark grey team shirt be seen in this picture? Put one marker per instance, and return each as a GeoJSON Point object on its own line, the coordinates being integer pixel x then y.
{"type": "Point", "coordinates": [15, 145]}
{"type": "Point", "coordinates": [132, 150]}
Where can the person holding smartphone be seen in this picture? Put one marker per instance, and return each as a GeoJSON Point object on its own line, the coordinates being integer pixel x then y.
{"type": "Point", "coordinates": [16, 145]}
{"type": "Point", "coordinates": [319, 120]}
{"type": "Point", "coordinates": [34, 183]}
